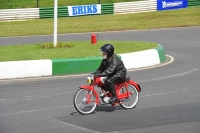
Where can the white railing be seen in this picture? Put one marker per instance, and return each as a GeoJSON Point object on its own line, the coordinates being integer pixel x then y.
{"type": "Point", "coordinates": [19, 14]}
{"type": "Point", "coordinates": [135, 7]}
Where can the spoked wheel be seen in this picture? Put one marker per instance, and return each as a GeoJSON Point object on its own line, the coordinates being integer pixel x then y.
{"type": "Point", "coordinates": [84, 101]}
{"type": "Point", "coordinates": [132, 100]}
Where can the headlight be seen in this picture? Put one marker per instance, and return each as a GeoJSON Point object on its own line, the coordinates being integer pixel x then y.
{"type": "Point", "coordinates": [89, 80]}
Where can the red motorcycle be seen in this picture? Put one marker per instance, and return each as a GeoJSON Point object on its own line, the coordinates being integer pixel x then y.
{"type": "Point", "coordinates": [86, 99]}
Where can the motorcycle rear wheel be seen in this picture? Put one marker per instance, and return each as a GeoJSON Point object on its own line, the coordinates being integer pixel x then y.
{"type": "Point", "coordinates": [133, 98]}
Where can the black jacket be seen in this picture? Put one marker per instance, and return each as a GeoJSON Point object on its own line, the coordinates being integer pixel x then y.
{"type": "Point", "coordinates": [111, 67]}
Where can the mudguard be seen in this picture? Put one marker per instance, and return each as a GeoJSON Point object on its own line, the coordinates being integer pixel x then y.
{"type": "Point", "coordinates": [86, 87]}
{"type": "Point", "coordinates": [135, 84]}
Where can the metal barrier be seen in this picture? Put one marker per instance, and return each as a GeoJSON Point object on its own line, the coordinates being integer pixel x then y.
{"type": "Point", "coordinates": [193, 2]}
{"type": "Point", "coordinates": [19, 14]}
{"type": "Point", "coordinates": [116, 8]}
{"type": "Point", "coordinates": [135, 7]}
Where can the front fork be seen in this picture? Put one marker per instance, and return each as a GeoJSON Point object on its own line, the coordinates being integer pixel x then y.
{"type": "Point", "coordinates": [88, 96]}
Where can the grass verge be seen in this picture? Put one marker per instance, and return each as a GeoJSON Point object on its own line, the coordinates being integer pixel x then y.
{"type": "Point", "coordinates": [149, 20]}
{"type": "Point", "coordinates": [78, 49]}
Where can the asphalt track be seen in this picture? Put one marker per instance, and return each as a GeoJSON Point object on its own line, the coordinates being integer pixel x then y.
{"type": "Point", "coordinates": [169, 101]}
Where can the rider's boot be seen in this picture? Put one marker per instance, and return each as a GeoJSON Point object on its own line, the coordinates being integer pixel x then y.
{"type": "Point", "coordinates": [113, 99]}
{"type": "Point", "coordinates": [112, 88]}
{"type": "Point", "coordinates": [101, 95]}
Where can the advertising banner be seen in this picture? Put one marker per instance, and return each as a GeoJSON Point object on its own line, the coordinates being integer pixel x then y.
{"type": "Point", "coordinates": [171, 4]}
{"type": "Point", "coordinates": [84, 10]}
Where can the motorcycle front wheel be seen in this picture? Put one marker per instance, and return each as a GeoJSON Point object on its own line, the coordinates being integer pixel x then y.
{"type": "Point", "coordinates": [85, 101]}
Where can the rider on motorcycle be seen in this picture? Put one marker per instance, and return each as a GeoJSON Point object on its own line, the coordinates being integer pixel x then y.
{"type": "Point", "coordinates": [111, 67]}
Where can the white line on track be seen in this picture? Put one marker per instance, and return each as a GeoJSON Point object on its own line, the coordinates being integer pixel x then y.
{"type": "Point", "coordinates": [42, 96]}
{"type": "Point", "coordinates": [169, 92]}
{"type": "Point", "coordinates": [172, 76]}
{"type": "Point", "coordinates": [67, 106]}
{"type": "Point", "coordinates": [61, 107]}
{"type": "Point", "coordinates": [32, 97]}
{"type": "Point", "coordinates": [35, 97]}
{"type": "Point", "coordinates": [54, 94]}
{"type": "Point", "coordinates": [31, 111]}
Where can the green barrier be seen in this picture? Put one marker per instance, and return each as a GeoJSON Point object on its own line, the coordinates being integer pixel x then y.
{"type": "Point", "coordinates": [161, 53]}
{"type": "Point", "coordinates": [75, 65]}
{"type": "Point", "coordinates": [49, 12]}
{"type": "Point", "coordinates": [193, 2]}
{"type": "Point", "coordinates": [107, 9]}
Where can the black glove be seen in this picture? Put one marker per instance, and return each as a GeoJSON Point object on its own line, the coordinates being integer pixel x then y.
{"type": "Point", "coordinates": [98, 74]}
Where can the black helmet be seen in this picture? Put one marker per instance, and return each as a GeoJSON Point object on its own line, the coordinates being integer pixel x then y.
{"type": "Point", "coordinates": [109, 48]}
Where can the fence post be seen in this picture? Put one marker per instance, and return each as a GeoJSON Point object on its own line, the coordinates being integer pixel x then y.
{"type": "Point", "coordinates": [37, 3]}
{"type": "Point", "coordinates": [98, 1]}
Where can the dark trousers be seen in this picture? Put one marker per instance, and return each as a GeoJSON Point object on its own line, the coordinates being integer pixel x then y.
{"type": "Point", "coordinates": [111, 81]}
